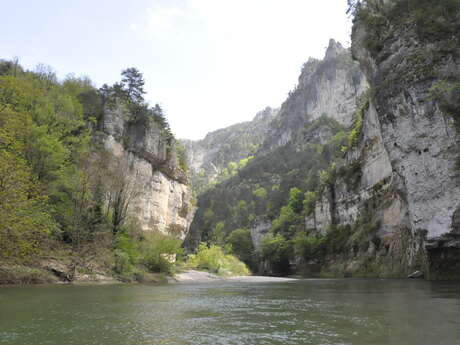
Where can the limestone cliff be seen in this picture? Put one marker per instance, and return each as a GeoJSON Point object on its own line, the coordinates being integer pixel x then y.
{"type": "Point", "coordinates": [209, 157]}
{"type": "Point", "coordinates": [403, 203]}
{"type": "Point", "coordinates": [300, 141]}
{"type": "Point", "coordinates": [327, 87]}
{"type": "Point", "coordinates": [144, 157]}
{"type": "Point", "coordinates": [387, 202]}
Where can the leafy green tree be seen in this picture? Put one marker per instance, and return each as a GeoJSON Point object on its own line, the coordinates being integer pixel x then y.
{"type": "Point", "coordinates": [240, 213]}
{"type": "Point", "coordinates": [296, 200]}
{"type": "Point", "coordinates": [309, 247]}
{"type": "Point", "coordinates": [287, 222]}
{"type": "Point", "coordinates": [215, 260]}
{"type": "Point", "coordinates": [309, 202]}
{"type": "Point", "coordinates": [260, 193]}
{"type": "Point", "coordinates": [290, 219]}
{"type": "Point", "coordinates": [182, 157]}
{"type": "Point", "coordinates": [158, 252]}
{"type": "Point", "coordinates": [10, 93]}
{"type": "Point", "coordinates": [133, 83]}
{"type": "Point", "coordinates": [12, 67]}
{"type": "Point", "coordinates": [276, 251]}
{"type": "Point", "coordinates": [241, 245]}
{"type": "Point", "coordinates": [218, 234]}
{"type": "Point", "coordinates": [160, 118]}
{"type": "Point", "coordinates": [25, 224]}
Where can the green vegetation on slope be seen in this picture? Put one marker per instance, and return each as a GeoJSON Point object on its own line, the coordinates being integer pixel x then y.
{"type": "Point", "coordinates": [59, 198]}
{"type": "Point", "coordinates": [433, 21]}
{"type": "Point", "coordinates": [277, 187]}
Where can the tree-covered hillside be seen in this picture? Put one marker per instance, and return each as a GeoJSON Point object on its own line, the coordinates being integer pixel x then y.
{"type": "Point", "coordinates": [276, 187]}
{"type": "Point", "coordinates": [266, 202]}
{"type": "Point", "coordinates": [61, 197]}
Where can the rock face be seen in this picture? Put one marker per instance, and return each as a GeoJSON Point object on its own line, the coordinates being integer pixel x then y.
{"type": "Point", "coordinates": [321, 106]}
{"type": "Point", "coordinates": [259, 231]}
{"type": "Point", "coordinates": [391, 205]}
{"type": "Point", "coordinates": [326, 87]}
{"type": "Point", "coordinates": [145, 156]}
{"type": "Point", "coordinates": [207, 158]}
{"type": "Point", "coordinates": [407, 189]}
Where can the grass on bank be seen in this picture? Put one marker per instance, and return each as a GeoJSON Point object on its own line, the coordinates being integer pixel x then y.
{"type": "Point", "coordinates": [148, 258]}
{"type": "Point", "coordinates": [145, 258]}
{"type": "Point", "coordinates": [19, 274]}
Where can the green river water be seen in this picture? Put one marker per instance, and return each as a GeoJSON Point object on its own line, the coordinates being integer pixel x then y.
{"type": "Point", "coordinates": [319, 312]}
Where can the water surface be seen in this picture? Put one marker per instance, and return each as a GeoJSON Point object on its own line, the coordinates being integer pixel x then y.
{"type": "Point", "coordinates": [317, 312]}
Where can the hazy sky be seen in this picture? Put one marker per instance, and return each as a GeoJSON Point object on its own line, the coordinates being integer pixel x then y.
{"type": "Point", "coordinates": [209, 63]}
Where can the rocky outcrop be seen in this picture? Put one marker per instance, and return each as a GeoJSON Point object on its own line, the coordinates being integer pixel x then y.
{"type": "Point", "coordinates": [207, 158]}
{"type": "Point", "coordinates": [403, 205]}
{"type": "Point", "coordinates": [391, 205]}
{"type": "Point", "coordinates": [259, 231]}
{"type": "Point", "coordinates": [325, 87]}
{"type": "Point", "coordinates": [321, 106]}
{"type": "Point", "coordinates": [145, 159]}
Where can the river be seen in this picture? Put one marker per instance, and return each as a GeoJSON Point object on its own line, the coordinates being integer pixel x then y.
{"type": "Point", "coordinates": [317, 312]}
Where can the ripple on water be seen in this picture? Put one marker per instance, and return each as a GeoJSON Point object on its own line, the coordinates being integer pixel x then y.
{"type": "Point", "coordinates": [304, 312]}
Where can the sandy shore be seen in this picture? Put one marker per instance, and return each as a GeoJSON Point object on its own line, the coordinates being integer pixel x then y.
{"type": "Point", "coordinates": [201, 277]}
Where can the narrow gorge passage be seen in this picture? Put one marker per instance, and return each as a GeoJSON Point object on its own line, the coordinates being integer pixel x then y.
{"type": "Point", "coordinates": [232, 172]}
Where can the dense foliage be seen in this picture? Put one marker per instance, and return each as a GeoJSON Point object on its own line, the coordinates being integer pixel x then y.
{"type": "Point", "coordinates": [215, 260]}
{"type": "Point", "coordinates": [278, 186]}
{"type": "Point", "coordinates": [240, 244]}
{"type": "Point", "coordinates": [431, 21]}
{"type": "Point", "coordinates": [150, 252]}
{"type": "Point", "coordinates": [262, 187]}
{"type": "Point", "coordinates": [59, 196]}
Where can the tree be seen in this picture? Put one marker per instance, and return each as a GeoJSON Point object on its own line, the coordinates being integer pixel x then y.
{"type": "Point", "coordinates": [10, 93]}
{"type": "Point", "coordinates": [158, 252]}
{"type": "Point", "coordinates": [10, 67]}
{"type": "Point", "coordinates": [290, 219]}
{"type": "Point", "coordinates": [260, 193]}
{"type": "Point", "coordinates": [261, 199]}
{"type": "Point", "coordinates": [133, 83]}
{"type": "Point", "coordinates": [296, 199]}
{"type": "Point", "coordinates": [241, 244]}
{"type": "Point", "coordinates": [218, 234]}
{"type": "Point", "coordinates": [353, 5]}
{"type": "Point", "coordinates": [276, 251]}
{"type": "Point", "coordinates": [122, 190]}
{"type": "Point", "coordinates": [25, 223]}
{"type": "Point", "coordinates": [160, 118]}
{"type": "Point", "coordinates": [46, 75]}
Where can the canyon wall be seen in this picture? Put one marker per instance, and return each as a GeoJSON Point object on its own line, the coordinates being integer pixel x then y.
{"type": "Point", "coordinates": [145, 159]}
{"type": "Point", "coordinates": [403, 203]}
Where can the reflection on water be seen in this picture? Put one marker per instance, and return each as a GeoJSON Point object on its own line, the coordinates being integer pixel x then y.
{"type": "Point", "coordinates": [358, 312]}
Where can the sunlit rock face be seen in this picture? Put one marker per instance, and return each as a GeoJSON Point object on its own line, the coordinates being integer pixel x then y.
{"type": "Point", "coordinates": [146, 157]}
{"type": "Point", "coordinates": [419, 138]}
{"type": "Point", "coordinates": [395, 199]}
{"type": "Point", "coordinates": [418, 127]}
{"type": "Point", "coordinates": [325, 87]}
{"type": "Point", "coordinates": [406, 197]}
